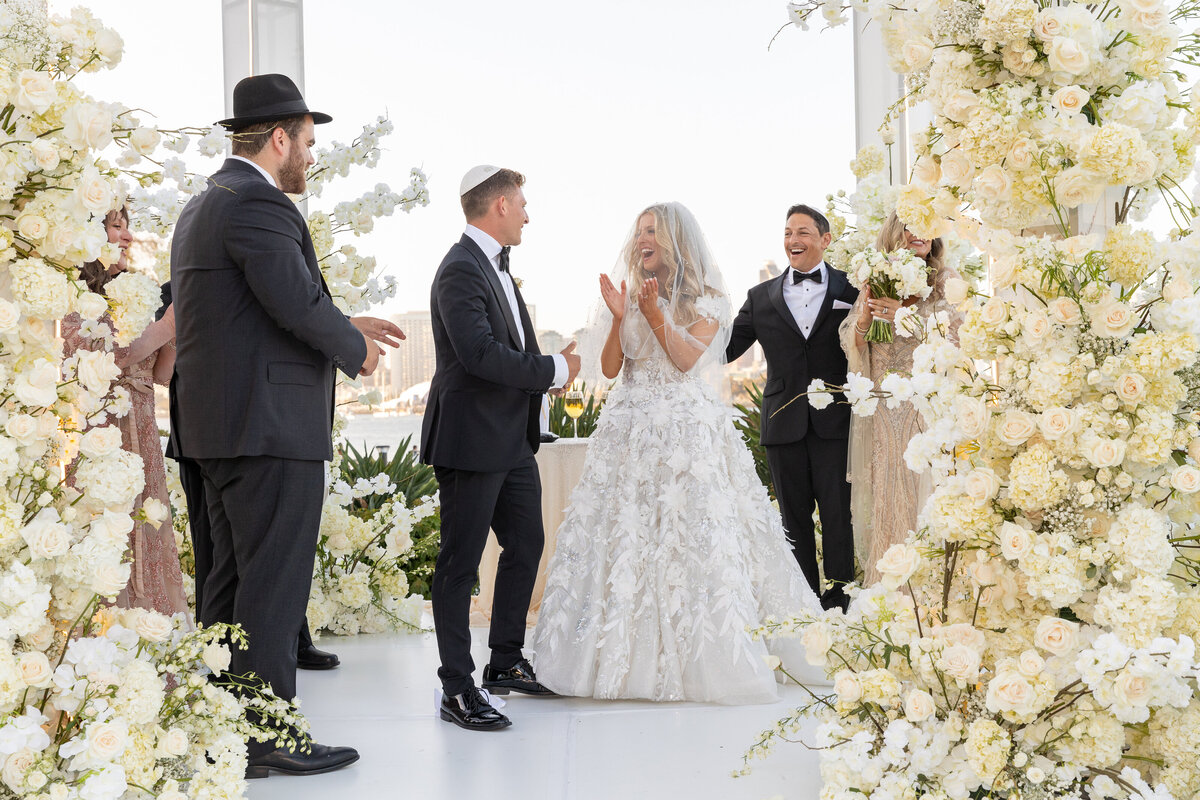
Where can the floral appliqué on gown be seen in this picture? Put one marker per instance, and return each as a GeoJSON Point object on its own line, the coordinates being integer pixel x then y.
{"type": "Point", "coordinates": [155, 579]}
{"type": "Point", "coordinates": [669, 549]}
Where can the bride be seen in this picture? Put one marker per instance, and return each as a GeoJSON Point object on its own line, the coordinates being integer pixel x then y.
{"type": "Point", "coordinates": [670, 546]}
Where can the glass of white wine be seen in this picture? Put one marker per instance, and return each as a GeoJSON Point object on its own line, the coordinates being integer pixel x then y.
{"type": "Point", "coordinates": [573, 405]}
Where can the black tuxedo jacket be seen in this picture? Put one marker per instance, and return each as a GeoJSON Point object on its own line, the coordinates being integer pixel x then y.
{"type": "Point", "coordinates": [257, 335]}
{"type": "Point", "coordinates": [793, 360]}
{"type": "Point", "coordinates": [486, 392]}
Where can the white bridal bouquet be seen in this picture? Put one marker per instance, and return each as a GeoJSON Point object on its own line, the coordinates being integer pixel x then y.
{"type": "Point", "coordinates": [899, 274]}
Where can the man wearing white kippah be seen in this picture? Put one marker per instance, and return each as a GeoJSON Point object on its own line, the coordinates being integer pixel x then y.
{"type": "Point", "coordinates": [480, 433]}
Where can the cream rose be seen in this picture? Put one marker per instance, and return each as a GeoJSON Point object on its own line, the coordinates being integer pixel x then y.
{"type": "Point", "coordinates": [109, 579]}
{"type": "Point", "coordinates": [45, 154]}
{"type": "Point", "coordinates": [15, 768]}
{"type": "Point", "coordinates": [1177, 289]}
{"type": "Point", "coordinates": [22, 427]}
{"type": "Point", "coordinates": [96, 370]}
{"type": "Point", "coordinates": [101, 442]}
{"type": "Point", "coordinates": [956, 169]}
{"type": "Point", "coordinates": [1073, 187]}
{"type": "Point", "coordinates": [993, 184]}
{"type": "Point", "coordinates": [897, 564]}
{"type": "Point", "coordinates": [88, 127]}
{"type": "Point", "coordinates": [1056, 636]}
{"type": "Point", "coordinates": [1131, 388]}
{"type": "Point", "coordinates": [1016, 427]}
{"type": "Point", "coordinates": [90, 305]}
{"type": "Point", "coordinates": [1015, 541]}
{"type": "Point", "coordinates": [46, 536]}
{"type": "Point", "coordinates": [174, 742]}
{"type": "Point", "coordinates": [916, 53]}
{"type": "Point", "coordinates": [1070, 99]}
{"type": "Point", "coordinates": [153, 626]}
{"type": "Point", "coordinates": [35, 92]}
{"type": "Point", "coordinates": [35, 669]}
{"type": "Point", "coordinates": [918, 706]}
{"type": "Point", "coordinates": [216, 657]}
{"type": "Point", "coordinates": [1037, 325]}
{"type": "Point", "coordinates": [33, 227]}
{"type": "Point", "coordinates": [37, 384]}
{"type": "Point", "coordinates": [1065, 311]}
{"type": "Point", "coordinates": [1010, 691]}
{"type": "Point", "coordinates": [973, 417]}
{"type": "Point", "coordinates": [993, 313]}
{"type": "Point", "coordinates": [1023, 154]}
{"type": "Point", "coordinates": [816, 641]}
{"type": "Point", "coordinates": [145, 140]}
{"type": "Point", "coordinates": [1048, 25]}
{"type": "Point", "coordinates": [927, 172]}
{"type": "Point", "coordinates": [10, 316]}
{"type": "Point", "coordinates": [847, 686]}
{"type": "Point", "coordinates": [1057, 422]}
{"type": "Point", "coordinates": [960, 662]}
{"type": "Point", "coordinates": [1003, 273]}
{"type": "Point", "coordinates": [1104, 452]}
{"type": "Point", "coordinates": [1066, 55]}
{"type": "Point", "coordinates": [982, 485]}
{"type": "Point", "coordinates": [1132, 689]}
{"type": "Point", "coordinates": [95, 192]}
{"type": "Point", "coordinates": [1186, 479]}
{"type": "Point", "coordinates": [106, 741]}
{"type": "Point", "coordinates": [959, 104]}
{"type": "Point", "coordinates": [1030, 664]}
{"type": "Point", "coordinates": [956, 291]}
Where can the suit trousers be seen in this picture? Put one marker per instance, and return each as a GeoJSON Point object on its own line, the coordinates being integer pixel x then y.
{"type": "Point", "coordinates": [510, 503]}
{"type": "Point", "coordinates": [201, 534]}
{"type": "Point", "coordinates": [812, 473]}
{"type": "Point", "coordinates": [265, 516]}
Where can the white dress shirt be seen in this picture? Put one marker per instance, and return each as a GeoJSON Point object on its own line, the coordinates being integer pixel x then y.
{"type": "Point", "coordinates": [491, 249]}
{"type": "Point", "coordinates": [262, 171]}
{"type": "Point", "coordinates": [804, 299]}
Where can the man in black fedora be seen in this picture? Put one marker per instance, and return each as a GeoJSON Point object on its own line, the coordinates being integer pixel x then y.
{"type": "Point", "coordinates": [258, 338]}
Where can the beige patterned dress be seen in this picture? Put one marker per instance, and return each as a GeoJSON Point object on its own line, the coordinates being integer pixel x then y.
{"type": "Point", "coordinates": [155, 579]}
{"type": "Point", "coordinates": [886, 495]}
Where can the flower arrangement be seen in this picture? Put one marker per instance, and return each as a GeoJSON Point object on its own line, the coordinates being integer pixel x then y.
{"type": "Point", "coordinates": [899, 274]}
{"type": "Point", "coordinates": [1035, 636]}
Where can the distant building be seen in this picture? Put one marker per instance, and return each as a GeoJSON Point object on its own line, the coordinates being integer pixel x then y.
{"type": "Point", "coordinates": [413, 361]}
{"type": "Point", "coordinates": [768, 270]}
{"type": "Point", "coordinates": [551, 341]}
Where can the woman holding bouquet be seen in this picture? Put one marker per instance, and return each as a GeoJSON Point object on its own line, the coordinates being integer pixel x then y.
{"type": "Point", "coordinates": [885, 494]}
{"type": "Point", "coordinates": [670, 547]}
{"type": "Point", "coordinates": [155, 579]}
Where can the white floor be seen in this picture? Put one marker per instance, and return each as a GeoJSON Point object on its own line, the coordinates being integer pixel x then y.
{"type": "Point", "coordinates": [381, 702]}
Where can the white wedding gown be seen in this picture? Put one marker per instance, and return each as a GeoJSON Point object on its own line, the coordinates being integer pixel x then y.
{"type": "Point", "coordinates": [669, 549]}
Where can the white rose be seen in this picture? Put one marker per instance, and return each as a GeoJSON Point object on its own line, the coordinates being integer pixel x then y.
{"type": "Point", "coordinates": [95, 192]}
{"type": "Point", "coordinates": [982, 485]}
{"type": "Point", "coordinates": [35, 92]}
{"type": "Point", "coordinates": [993, 313]}
{"type": "Point", "coordinates": [35, 669]}
{"type": "Point", "coordinates": [1074, 186]}
{"type": "Point", "coordinates": [1070, 99]}
{"type": "Point", "coordinates": [153, 626]}
{"type": "Point", "coordinates": [1113, 318]}
{"type": "Point", "coordinates": [918, 706]}
{"type": "Point", "coordinates": [847, 686]}
{"type": "Point", "coordinates": [156, 511]}
{"type": "Point", "coordinates": [993, 184]}
{"type": "Point", "coordinates": [1048, 25]}
{"type": "Point", "coordinates": [174, 742]}
{"type": "Point", "coordinates": [10, 316]}
{"type": "Point", "coordinates": [106, 741]}
{"type": "Point", "coordinates": [1023, 154]}
{"type": "Point", "coordinates": [973, 416]}
{"type": "Point", "coordinates": [145, 140]}
{"type": "Point", "coordinates": [110, 45]}
{"type": "Point", "coordinates": [109, 579]}
{"type": "Point", "coordinates": [927, 172]}
{"type": "Point", "coordinates": [216, 657]}
{"type": "Point", "coordinates": [46, 536]}
{"type": "Point", "coordinates": [90, 305]}
{"type": "Point", "coordinates": [1066, 55]}
{"type": "Point", "coordinates": [897, 564]}
{"type": "Point", "coordinates": [1016, 427]}
{"type": "Point", "coordinates": [96, 370]}
{"type": "Point", "coordinates": [1037, 325]}
{"type": "Point", "coordinates": [1177, 289]}
{"type": "Point", "coordinates": [88, 127]}
{"type": "Point", "coordinates": [959, 104]}
{"type": "Point", "coordinates": [956, 169]}
{"type": "Point", "coordinates": [916, 53]}
{"type": "Point", "coordinates": [960, 662]}
{"type": "Point", "coordinates": [1065, 311]}
{"type": "Point", "coordinates": [1057, 422]}
{"type": "Point", "coordinates": [956, 291]}
{"type": "Point", "coordinates": [101, 442]}
{"type": "Point", "coordinates": [33, 227]}
{"type": "Point", "coordinates": [1056, 636]}
{"type": "Point", "coordinates": [22, 427]}
{"type": "Point", "coordinates": [45, 154]}
{"type": "Point", "coordinates": [1030, 664]}
{"type": "Point", "coordinates": [1003, 273]}
{"type": "Point", "coordinates": [15, 768]}
{"type": "Point", "coordinates": [1132, 689]}
{"type": "Point", "coordinates": [1015, 541]}
{"type": "Point", "coordinates": [1010, 691]}
{"type": "Point", "coordinates": [1186, 479]}
{"type": "Point", "coordinates": [1102, 452]}
{"type": "Point", "coordinates": [37, 385]}
{"type": "Point", "coordinates": [817, 642]}
{"type": "Point", "coordinates": [1131, 388]}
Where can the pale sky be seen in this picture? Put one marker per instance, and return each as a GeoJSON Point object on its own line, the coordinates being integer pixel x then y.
{"type": "Point", "coordinates": [606, 108]}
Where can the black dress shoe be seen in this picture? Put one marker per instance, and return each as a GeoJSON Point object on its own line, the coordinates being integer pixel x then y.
{"type": "Point", "coordinates": [312, 658]}
{"type": "Point", "coordinates": [518, 678]}
{"type": "Point", "coordinates": [549, 437]}
{"type": "Point", "coordinates": [469, 710]}
{"type": "Point", "coordinates": [322, 758]}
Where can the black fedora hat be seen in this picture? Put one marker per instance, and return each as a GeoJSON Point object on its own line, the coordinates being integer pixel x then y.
{"type": "Point", "coordinates": [266, 98]}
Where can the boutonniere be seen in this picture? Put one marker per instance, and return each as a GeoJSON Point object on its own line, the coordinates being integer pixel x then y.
{"type": "Point", "coordinates": [517, 282]}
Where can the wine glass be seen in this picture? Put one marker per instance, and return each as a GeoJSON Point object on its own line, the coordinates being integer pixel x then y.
{"type": "Point", "coordinates": [573, 405]}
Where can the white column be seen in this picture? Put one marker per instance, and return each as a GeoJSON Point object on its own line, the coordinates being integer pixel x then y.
{"type": "Point", "coordinates": [262, 36]}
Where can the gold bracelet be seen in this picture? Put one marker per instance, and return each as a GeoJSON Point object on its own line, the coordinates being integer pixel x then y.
{"type": "Point", "coordinates": [659, 328]}
{"type": "Point", "coordinates": [860, 331]}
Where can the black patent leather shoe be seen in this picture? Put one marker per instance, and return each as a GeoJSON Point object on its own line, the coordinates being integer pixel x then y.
{"type": "Point", "coordinates": [469, 710]}
{"type": "Point", "coordinates": [312, 658]}
{"type": "Point", "coordinates": [518, 678]}
{"type": "Point", "coordinates": [548, 437]}
{"type": "Point", "coordinates": [321, 758]}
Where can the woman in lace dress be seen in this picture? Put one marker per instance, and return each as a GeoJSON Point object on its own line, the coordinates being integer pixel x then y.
{"type": "Point", "coordinates": [155, 580]}
{"type": "Point", "coordinates": [885, 494]}
{"type": "Point", "coordinates": [670, 546]}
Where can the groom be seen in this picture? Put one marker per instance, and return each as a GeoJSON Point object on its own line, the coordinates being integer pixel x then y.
{"type": "Point", "coordinates": [480, 432]}
{"type": "Point", "coordinates": [795, 317]}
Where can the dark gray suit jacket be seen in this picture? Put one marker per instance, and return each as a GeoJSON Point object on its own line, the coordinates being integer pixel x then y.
{"type": "Point", "coordinates": [793, 360]}
{"type": "Point", "coordinates": [256, 332]}
{"type": "Point", "coordinates": [486, 392]}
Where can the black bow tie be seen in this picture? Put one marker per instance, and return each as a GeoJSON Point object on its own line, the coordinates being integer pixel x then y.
{"type": "Point", "coordinates": [814, 276]}
{"type": "Point", "coordinates": [504, 258]}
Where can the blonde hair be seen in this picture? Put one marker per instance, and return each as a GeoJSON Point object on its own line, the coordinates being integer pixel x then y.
{"type": "Point", "coordinates": [891, 237]}
{"type": "Point", "coordinates": [671, 244]}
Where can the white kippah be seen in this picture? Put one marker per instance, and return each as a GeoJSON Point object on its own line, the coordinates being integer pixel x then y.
{"type": "Point", "coordinates": [476, 176]}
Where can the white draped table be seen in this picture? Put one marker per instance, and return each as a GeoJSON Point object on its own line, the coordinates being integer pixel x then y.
{"type": "Point", "coordinates": [561, 466]}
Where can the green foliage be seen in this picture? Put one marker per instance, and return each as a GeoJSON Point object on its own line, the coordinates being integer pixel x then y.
{"type": "Point", "coordinates": [749, 425]}
{"type": "Point", "coordinates": [560, 423]}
